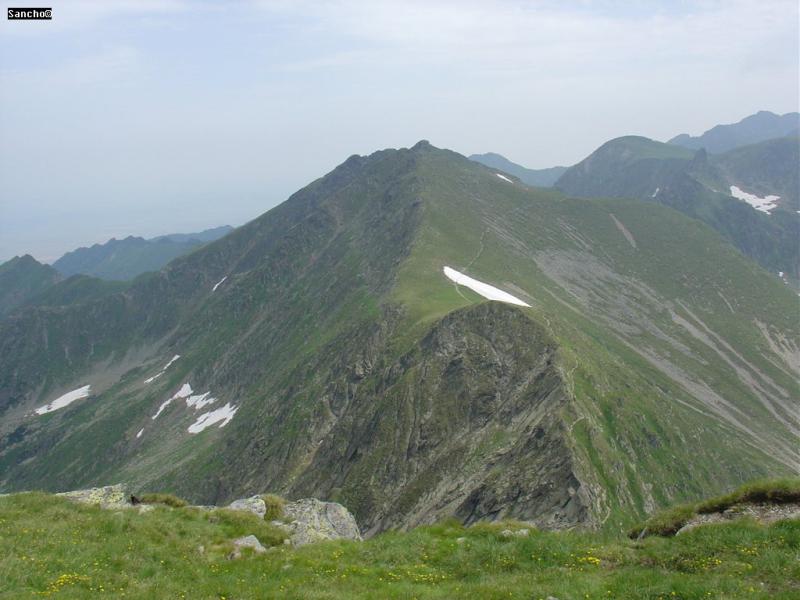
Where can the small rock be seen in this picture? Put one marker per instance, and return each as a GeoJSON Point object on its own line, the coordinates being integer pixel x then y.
{"type": "Point", "coordinates": [248, 541]}
{"type": "Point", "coordinates": [517, 533]}
{"type": "Point", "coordinates": [254, 504]}
{"type": "Point", "coordinates": [461, 540]}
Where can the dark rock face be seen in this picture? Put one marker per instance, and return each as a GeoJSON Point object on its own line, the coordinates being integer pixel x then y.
{"type": "Point", "coordinates": [466, 423]}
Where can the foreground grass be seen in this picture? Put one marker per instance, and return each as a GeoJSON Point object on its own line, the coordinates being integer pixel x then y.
{"type": "Point", "coordinates": [51, 547]}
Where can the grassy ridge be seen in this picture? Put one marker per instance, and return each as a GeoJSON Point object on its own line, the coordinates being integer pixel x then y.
{"type": "Point", "coordinates": [669, 521]}
{"type": "Point", "coordinates": [54, 548]}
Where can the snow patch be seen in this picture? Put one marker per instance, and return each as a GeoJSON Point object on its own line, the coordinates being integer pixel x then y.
{"type": "Point", "coordinates": [162, 371]}
{"type": "Point", "coordinates": [141, 431]}
{"type": "Point", "coordinates": [64, 400]}
{"type": "Point", "coordinates": [219, 283]}
{"type": "Point", "coordinates": [484, 289]}
{"type": "Point", "coordinates": [195, 401]}
{"type": "Point", "coordinates": [765, 204]}
{"type": "Point", "coordinates": [199, 400]}
{"type": "Point", "coordinates": [504, 178]}
{"type": "Point", "coordinates": [161, 408]}
{"type": "Point", "coordinates": [222, 416]}
{"type": "Point", "coordinates": [658, 189]}
{"type": "Point", "coordinates": [184, 392]}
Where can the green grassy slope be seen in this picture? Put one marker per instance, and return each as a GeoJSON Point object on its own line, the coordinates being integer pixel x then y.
{"type": "Point", "coordinates": [609, 305]}
{"type": "Point", "coordinates": [53, 548]}
{"type": "Point", "coordinates": [655, 363]}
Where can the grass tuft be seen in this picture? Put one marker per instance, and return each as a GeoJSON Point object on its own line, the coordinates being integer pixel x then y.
{"type": "Point", "coordinates": [165, 499]}
{"type": "Point", "coordinates": [275, 506]}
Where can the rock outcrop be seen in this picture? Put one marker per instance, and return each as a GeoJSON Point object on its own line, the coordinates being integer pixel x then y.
{"type": "Point", "coordinates": [305, 521]}
{"type": "Point", "coordinates": [254, 504]}
{"type": "Point", "coordinates": [311, 520]}
{"type": "Point", "coordinates": [110, 496]}
{"type": "Point", "coordinates": [765, 514]}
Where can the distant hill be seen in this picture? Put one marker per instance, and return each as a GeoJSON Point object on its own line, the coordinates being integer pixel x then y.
{"type": "Point", "coordinates": [22, 278]}
{"type": "Point", "coordinates": [763, 125]}
{"type": "Point", "coordinates": [123, 260]}
{"type": "Point", "coordinates": [535, 177]}
{"type": "Point", "coordinates": [208, 235]}
{"type": "Point", "coordinates": [703, 186]}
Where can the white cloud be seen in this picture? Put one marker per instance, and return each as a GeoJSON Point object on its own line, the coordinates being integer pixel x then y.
{"type": "Point", "coordinates": [542, 37]}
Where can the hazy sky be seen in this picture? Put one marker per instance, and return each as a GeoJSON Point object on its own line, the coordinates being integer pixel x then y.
{"type": "Point", "coordinates": [147, 117]}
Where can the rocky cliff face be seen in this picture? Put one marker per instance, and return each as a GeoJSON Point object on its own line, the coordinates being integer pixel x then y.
{"type": "Point", "coordinates": [467, 422]}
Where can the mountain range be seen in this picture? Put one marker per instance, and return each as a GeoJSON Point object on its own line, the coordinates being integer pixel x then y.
{"type": "Point", "coordinates": [713, 178]}
{"type": "Point", "coordinates": [762, 126]}
{"type": "Point", "coordinates": [416, 335]}
{"type": "Point", "coordinates": [749, 195]}
{"type": "Point", "coordinates": [125, 259]}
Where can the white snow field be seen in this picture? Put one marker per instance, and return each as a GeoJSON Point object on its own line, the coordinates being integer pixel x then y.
{"type": "Point", "coordinates": [64, 400]}
{"type": "Point", "coordinates": [484, 289]}
{"type": "Point", "coordinates": [222, 416]}
{"type": "Point", "coordinates": [162, 371]}
{"type": "Point", "coordinates": [504, 178]}
{"type": "Point", "coordinates": [654, 194]}
{"type": "Point", "coordinates": [141, 431]}
{"type": "Point", "coordinates": [219, 283]}
{"type": "Point", "coordinates": [765, 204]}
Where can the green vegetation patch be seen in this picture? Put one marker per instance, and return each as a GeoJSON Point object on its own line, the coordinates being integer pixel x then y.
{"type": "Point", "coordinates": [165, 499]}
{"type": "Point", "coordinates": [670, 521]}
{"type": "Point", "coordinates": [274, 505]}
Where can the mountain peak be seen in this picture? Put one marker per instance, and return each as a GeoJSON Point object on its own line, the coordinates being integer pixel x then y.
{"type": "Point", "coordinates": [423, 145]}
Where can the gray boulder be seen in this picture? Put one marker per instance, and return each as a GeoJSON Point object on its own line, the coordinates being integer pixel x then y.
{"type": "Point", "coordinates": [248, 541]}
{"type": "Point", "coordinates": [253, 504]}
{"type": "Point", "coordinates": [110, 496]}
{"type": "Point", "coordinates": [311, 520]}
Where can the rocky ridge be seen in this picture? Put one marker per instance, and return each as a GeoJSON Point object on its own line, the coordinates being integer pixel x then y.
{"type": "Point", "coordinates": [304, 521]}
